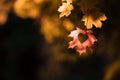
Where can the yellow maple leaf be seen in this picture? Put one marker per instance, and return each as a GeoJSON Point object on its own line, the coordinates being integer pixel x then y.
{"type": "Point", "coordinates": [93, 17]}
{"type": "Point", "coordinates": [66, 8]}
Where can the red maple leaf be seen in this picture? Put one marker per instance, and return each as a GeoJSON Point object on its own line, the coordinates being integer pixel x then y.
{"type": "Point", "coordinates": [81, 47]}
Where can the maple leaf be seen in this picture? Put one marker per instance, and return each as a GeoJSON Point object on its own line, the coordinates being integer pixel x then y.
{"type": "Point", "coordinates": [66, 8]}
{"type": "Point", "coordinates": [81, 47]}
{"type": "Point", "coordinates": [93, 17]}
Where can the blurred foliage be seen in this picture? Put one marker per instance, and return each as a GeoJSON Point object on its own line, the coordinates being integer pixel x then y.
{"type": "Point", "coordinates": [59, 59]}
{"type": "Point", "coordinates": [113, 71]}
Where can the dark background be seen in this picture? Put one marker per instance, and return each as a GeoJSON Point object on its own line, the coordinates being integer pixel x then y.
{"type": "Point", "coordinates": [22, 49]}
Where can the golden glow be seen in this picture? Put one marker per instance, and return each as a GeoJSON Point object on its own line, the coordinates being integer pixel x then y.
{"type": "Point", "coordinates": [68, 25]}
{"type": "Point", "coordinates": [3, 18]}
{"type": "Point", "coordinates": [4, 10]}
{"type": "Point", "coordinates": [50, 28]}
{"type": "Point", "coordinates": [26, 9]}
{"type": "Point", "coordinates": [112, 71]}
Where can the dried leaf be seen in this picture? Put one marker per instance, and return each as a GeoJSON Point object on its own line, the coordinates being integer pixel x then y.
{"type": "Point", "coordinates": [93, 17]}
{"type": "Point", "coordinates": [81, 47]}
{"type": "Point", "coordinates": [66, 8]}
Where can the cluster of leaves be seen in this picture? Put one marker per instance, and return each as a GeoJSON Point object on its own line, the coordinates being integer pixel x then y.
{"type": "Point", "coordinates": [92, 16]}
{"type": "Point", "coordinates": [42, 9]}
